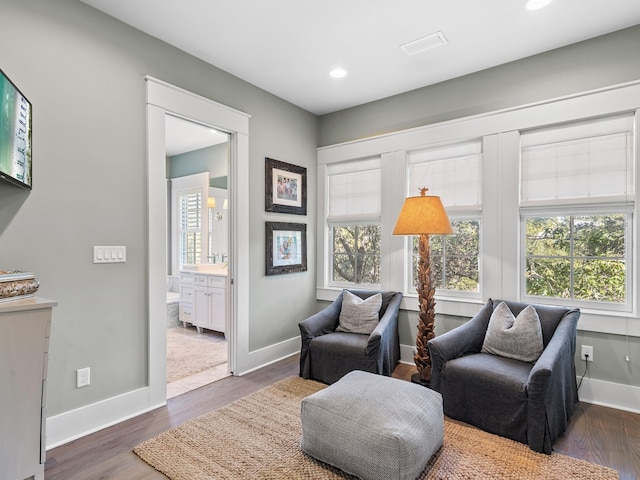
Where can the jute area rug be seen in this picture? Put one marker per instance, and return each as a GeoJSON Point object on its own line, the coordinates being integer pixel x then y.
{"type": "Point", "coordinates": [258, 437]}
{"type": "Point", "coordinates": [190, 352]}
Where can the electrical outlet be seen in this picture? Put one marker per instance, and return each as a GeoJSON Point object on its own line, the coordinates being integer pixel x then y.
{"type": "Point", "coordinates": [83, 377]}
{"type": "Point", "coordinates": [587, 350]}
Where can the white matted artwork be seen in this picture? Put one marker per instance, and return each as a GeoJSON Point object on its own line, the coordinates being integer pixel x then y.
{"type": "Point", "coordinates": [285, 187]}
{"type": "Point", "coordinates": [286, 247]}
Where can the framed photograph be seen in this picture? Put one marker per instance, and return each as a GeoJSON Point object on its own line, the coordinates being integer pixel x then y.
{"type": "Point", "coordinates": [286, 247]}
{"type": "Point", "coordinates": [285, 187]}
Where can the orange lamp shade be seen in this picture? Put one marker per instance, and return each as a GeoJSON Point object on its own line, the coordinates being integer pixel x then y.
{"type": "Point", "coordinates": [423, 215]}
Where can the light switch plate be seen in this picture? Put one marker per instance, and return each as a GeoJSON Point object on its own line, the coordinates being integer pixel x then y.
{"type": "Point", "coordinates": [109, 254]}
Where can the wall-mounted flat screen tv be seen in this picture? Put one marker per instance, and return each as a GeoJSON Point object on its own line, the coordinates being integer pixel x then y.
{"type": "Point", "coordinates": [15, 134]}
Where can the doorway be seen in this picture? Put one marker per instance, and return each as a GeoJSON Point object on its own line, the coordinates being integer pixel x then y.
{"type": "Point", "coordinates": [163, 99]}
{"type": "Point", "coordinates": [197, 236]}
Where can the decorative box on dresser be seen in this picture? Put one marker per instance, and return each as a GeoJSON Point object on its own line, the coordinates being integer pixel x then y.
{"type": "Point", "coordinates": [203, 300]}
{"type": "Point", "coordinates": [24, 345]}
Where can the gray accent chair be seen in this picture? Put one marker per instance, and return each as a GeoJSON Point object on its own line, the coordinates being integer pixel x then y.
{"type": "Point", "coordinates": [327, 355]}
{"type": "Point", "coordinates": [527, 402]}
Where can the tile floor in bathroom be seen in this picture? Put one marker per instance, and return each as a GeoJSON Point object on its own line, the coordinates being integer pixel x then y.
{"type": "Point", "coordinates": [197, 380]}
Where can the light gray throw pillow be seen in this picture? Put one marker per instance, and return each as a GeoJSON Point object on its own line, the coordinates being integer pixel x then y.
{"type": "Point", "coordinates": [359, 315]}
{"type": "Point", "coordinates": [514, 337]}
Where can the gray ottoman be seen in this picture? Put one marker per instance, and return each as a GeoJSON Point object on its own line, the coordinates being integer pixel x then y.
{"type": "Point", "coordinates": [373, 427]}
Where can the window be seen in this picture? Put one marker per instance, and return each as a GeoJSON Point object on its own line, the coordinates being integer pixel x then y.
{"type": "Point", "coordinates": [576, 207]}
{"type": "Point", "coordinates": [577, 257]}
{"type": "Point", "coordinates": [542, 199]}
{"type": "Point", "coordinates": [451, 172]}
{"type": "Point", "coordinates": [190, 228]}
{"type": "Point", "coordinates": [354, 205]}
{"type": "Point", "coordinates": [455, 258]}
{"type": "Point", "coordinates": [356, 254]}
{"type": "Point", "coordinates": [189, 220]}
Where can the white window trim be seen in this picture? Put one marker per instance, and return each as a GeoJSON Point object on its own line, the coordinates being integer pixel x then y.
{"type": "Point", "coordinates": [614, 202]}
{"type": "Point", "coordinates": [454, 150]}
{"type": "Point", "coordinates": [501, 217]}
{"type": "Point", "coordinates": [325, 224]}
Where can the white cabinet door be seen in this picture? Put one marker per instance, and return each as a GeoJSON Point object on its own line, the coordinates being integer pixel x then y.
{"type": "Point", "coordinates": [200, 316]}
{"type": "Point", "coordinates": [217, 311]}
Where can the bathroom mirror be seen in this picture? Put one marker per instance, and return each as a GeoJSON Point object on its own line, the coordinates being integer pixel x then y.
{"type": "Point", "coordinates": [218, 208]}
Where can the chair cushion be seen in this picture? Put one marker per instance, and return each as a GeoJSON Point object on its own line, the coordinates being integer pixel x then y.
{"type": "Point", "coordinates": [373, 427]}
{"type": "Point", "coordinates": [488, 391]}
{"type": "Point", "coordinates": [335, 354]}
{"type": "Point", "coordinates": [359, 315]}
{"type": "Point", "coordinates": [518, 337]}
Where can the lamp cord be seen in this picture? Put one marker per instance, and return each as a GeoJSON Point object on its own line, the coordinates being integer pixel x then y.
{"type": "Point", "coordinates": [586, 369]}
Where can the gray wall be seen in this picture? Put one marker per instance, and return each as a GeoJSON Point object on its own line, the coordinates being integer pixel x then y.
{"type": "Point", "coordinates": [84, 73]}
{"type": "Point", "coordinates": [212, 159]}
{"type": "Point", "coordinates": [600, 62]}
{"type": "Point", "coordinates": [604, 61]}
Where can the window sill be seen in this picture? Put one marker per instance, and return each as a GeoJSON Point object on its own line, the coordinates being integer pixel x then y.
{"type": "Point", "coordinates": [613, 323]}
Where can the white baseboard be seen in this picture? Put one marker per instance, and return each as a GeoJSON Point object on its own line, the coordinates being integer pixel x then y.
{"type": "Point", "coordinates": [406, 354]}
{"type": "Point", "coordinates": [609, 394]}
{"type": "Point", "coordinates": [69, 426]}
{"type": "Point", "coordinates": [598, 392]}
{"type": "Point", "coordinates": [268, 355]}
{"type": "Point", "coordinates": [74, 424]}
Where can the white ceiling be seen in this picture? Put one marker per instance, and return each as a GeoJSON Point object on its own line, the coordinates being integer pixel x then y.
{"type": "Point", "coordinates": [184, 136]}
{"type": "Point", "coordinates": [288, 47]}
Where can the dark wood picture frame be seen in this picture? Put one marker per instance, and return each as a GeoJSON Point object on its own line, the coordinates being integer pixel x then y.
{"type": "Point", "coordinates": [285, 187]}
{"type": "Point", "coordinates": [285, 247]}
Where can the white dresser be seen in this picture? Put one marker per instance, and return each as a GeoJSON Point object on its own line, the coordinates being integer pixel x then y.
{"type": "Point", "coordinates": [203, 300]}
{"type": "Point", "coordinates": [24, 345]}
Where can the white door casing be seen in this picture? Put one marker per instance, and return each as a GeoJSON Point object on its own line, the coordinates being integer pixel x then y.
{"type": "Point", "coordinates": [163, 99]}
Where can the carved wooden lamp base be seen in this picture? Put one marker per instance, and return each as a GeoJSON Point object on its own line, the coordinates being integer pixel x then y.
{"type": "Point", "coordinates": [426, 315]}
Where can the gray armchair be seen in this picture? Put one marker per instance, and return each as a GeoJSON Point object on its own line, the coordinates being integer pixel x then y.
{"type": "Point", "coordinates": [327, 355]}
{"type": "Point", "coordinates": [527, 402]}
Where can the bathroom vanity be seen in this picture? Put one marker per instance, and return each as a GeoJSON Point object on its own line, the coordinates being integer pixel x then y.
{"type": "Point", "coordinates": [203, 297]}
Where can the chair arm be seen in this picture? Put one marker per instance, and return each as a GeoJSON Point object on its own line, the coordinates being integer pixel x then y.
{"type": "Point", "coordinates": [551, 386]}
{"type": "Point", "coordinates": [556, 359]}
{"type": "Point", "coordinates": [387, 327]}
{"type": "Point", "coordinates": [463, 340]}
{"type": "Point", "coordinates": [321, 323]}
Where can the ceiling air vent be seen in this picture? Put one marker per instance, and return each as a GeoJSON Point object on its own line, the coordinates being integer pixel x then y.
{"type": "Point", "coordinates": [423, 44]}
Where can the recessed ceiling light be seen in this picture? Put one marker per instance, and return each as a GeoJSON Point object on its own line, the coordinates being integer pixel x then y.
{"type": "Point", "coordinates": [537, 4]}
{"type": "Point", "coordinates": [338, 73]}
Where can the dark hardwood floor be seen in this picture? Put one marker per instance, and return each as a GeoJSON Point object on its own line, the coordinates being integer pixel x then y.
{"type": "Point", "coordinates": [597, 434]}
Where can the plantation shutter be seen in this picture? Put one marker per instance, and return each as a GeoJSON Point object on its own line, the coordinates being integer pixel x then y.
{"type": "Point", "coordinates": [190, 218]}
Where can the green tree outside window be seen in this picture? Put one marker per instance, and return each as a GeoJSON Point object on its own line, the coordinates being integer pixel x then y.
{"type": "Point", "coordinates": [455, 258]}
{"type": "Point", "coordinates": [356, 254]}
{"type": "Point", "coordinates": [579, 257]}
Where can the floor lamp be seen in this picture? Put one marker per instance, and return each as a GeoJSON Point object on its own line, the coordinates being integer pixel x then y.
{"type": "Point", "coordinates": [424, 216]}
